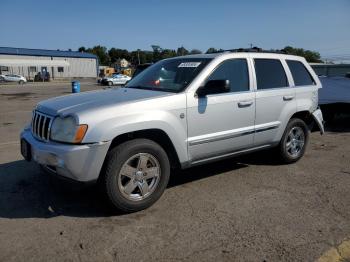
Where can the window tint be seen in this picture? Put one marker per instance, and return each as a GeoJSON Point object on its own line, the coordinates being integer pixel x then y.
{"type": "Point", "coordinates": [234, 70]}
{"type": "Point", "coordinates": [270, 74]}
{"type": "Point", "coordinates": [300, 74]}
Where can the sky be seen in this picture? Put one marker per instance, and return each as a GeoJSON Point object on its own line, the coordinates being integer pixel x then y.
{"type": "Point", "coordinates": [320, 25]}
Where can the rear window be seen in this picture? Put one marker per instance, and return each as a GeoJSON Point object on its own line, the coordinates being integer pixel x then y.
{"type": "Point", "coordinates": [300, 74]}
{"type": "Point", "coordinates": [270, 73]}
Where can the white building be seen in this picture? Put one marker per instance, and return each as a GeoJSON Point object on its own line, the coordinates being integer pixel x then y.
{"type": "Point", "coordinates": [59, 64]}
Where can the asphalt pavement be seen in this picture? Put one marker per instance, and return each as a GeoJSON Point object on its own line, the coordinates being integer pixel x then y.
{"type": "Point", "coordinates": [249, 208]}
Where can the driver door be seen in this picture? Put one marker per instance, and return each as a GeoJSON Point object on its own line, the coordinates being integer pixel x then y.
{"type": "Point", "coordinates": [222, 123]}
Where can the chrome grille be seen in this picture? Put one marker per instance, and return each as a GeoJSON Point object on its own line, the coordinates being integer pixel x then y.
{"type": "Point", "coordinates": [41, 125]}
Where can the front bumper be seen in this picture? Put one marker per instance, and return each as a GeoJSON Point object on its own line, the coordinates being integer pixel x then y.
{"type": "Point", "coordinates": [78, 162]}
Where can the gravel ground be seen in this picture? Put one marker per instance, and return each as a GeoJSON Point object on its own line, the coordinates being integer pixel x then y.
{"type": "Point", "coordinates": [243, 209]}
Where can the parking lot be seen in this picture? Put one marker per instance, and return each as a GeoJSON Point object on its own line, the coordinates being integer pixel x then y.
{"type": "Point", "coordinates": [244, 209]}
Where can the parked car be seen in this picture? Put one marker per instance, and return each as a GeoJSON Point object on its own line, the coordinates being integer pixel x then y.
{"type": "Point", "coordinates": [178, 113]}
{"type": "Point", "coordinates": [115, 79]}
{"type": "Point", "coordinates": [13, 78]}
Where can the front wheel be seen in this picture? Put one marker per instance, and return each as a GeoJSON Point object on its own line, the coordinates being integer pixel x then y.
{"type": "Point", "coordinates": [294, 141]}
{"type": "Point", "coordinates": [136, 174]}
{"type": "Point", "coordinates": [21, 82]}
{"type": "Point", "coordinates": [110, 83]}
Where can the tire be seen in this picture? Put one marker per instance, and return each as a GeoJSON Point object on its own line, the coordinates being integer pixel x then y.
{"type": "Point", "coordinates": [292, 150]}
{"type": "Point", "coordinates": [21, 82]}
{"type": "Point", "coordinates": [109, 83]}
{"type": "Point", "coordinates": [130, 190]}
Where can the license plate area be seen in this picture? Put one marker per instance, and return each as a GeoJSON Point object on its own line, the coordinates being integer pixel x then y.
{"type": "Point", "coordinates": [26, 150]}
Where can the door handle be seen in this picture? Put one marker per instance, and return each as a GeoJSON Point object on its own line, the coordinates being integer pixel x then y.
{"type": "Point", "coordinates": [245, 103]}
{"type": "Point", "coordinates": [288, 98]}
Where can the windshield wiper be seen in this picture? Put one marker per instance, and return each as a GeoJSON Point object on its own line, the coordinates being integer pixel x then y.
{"type": "Point", "coordinates": [138, 87]}
{"type": "Point", "coordinates": [145, 88]}
{"type": "Point", "coordinates": [152, 88]}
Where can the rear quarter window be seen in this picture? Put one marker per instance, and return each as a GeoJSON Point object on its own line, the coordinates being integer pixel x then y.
{"type": "Point", "coordinates": [300, 74]}
{"type": "Point", "coordinates": [270, 73]}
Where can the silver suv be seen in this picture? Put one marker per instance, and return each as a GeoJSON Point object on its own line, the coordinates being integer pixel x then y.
{"type": "Point", "coordinates": [179, 112]}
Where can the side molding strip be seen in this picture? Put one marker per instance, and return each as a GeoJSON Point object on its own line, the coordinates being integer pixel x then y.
{"type": "Point", "coordinates": [258, 129]}
{"type": "Point", "coordinates": [218, 138]}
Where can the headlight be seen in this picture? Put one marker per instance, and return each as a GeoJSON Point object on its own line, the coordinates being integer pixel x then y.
{"type": "Point", "coordinates": [67, 130]}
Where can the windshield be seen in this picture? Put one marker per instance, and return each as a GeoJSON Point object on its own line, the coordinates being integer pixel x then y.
{"type": "Point", "coordinates": [172, 75]}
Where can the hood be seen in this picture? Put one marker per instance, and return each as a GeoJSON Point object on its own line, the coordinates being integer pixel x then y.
{"type": "Point", "coordinates": [75, 103]}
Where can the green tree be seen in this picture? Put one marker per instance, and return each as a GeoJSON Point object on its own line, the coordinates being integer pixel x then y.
{"type": "Point", "coordinates": [310, 56]}
{"type": "Point", "coordinates": [148, 56]}
{"type": "Point", "coordinates": [82, 49]}
{"type": "Point", "coordinates": [182, 51]}
{"type": "Point", "coordinates": [116, 53]}
{"type": "Point", "coordinates": [167, 53]}
{"type": "Point", "coordinates": [101, 52]}
{"type": "Point", "coordinates": [211, 50]}
{"type": "Point", "coordinates": [157, 52]}
{"type": "Point", "coordinates": [195, 51]}
{"type": "Point", "coordinates": [145, 56]}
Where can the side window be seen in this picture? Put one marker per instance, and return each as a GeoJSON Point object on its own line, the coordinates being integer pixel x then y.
{"type": "Point", "coordinates": [60, 69]}
{"type": "Point", "coordinates": [270, 73]}
{"type": "Point", "coordinates": [234, 70]}
{"type": "Point", "coordinates": [300, 74]}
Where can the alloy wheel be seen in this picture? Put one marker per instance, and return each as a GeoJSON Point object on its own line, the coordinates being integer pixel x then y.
{"type": "Point", "coordinates": [295, 141]}
{"type": "Point", "coordinates": [139, 176]}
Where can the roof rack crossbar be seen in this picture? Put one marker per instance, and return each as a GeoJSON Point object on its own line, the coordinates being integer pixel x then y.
{"type": "Point", "coordinates": [253, 49]}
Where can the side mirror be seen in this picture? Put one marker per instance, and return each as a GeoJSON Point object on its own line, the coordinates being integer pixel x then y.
{"type": "Point", "coordinates": [214, 87]}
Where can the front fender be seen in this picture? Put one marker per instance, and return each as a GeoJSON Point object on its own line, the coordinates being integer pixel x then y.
{"type": "Point", "coordinates": [168, 122]}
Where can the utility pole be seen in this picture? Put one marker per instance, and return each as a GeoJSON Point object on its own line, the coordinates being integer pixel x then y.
{"type": "Point", "coordinates": [138, 55]}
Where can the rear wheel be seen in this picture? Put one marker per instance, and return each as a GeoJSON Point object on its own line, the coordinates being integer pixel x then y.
{"type": "Point", "coordinates": [136, 174]}
{"type": "Point", "coordinates": [294, 141]}
{"type": "Point", "coordinates": [110, 83]}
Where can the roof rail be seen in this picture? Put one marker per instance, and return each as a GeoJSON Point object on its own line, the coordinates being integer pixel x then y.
{"type": "Point", "coordinates": [253, 49]}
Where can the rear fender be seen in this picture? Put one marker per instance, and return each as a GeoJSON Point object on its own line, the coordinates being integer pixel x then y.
{"type": "Point", "coordinates": [317, 116]}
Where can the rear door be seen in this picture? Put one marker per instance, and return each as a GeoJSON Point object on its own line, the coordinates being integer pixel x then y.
{"type": "Point", "coordinates": [275, 99]}
{"type": "Point", "coordinates": [305, 84]}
